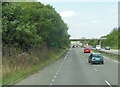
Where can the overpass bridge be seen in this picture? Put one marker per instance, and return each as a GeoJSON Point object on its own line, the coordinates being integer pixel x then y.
{"type": "Point", "coordinates": [99, 40]}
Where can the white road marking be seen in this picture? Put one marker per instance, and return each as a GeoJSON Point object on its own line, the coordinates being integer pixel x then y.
{"type": "Point", "coordinates": [95, 69]}
{"type": "Point", "coordinates": [111, 59]}
{"type": "Point", "coordinates": [115, 61]}
{"type": "Point", "coordinates": [59, 68]}
{"type": "Point", "coordinates": [53, 80]}
{"type": "Point", "coordinates": [51, 84]}
{"type": "Point", "coordinates": [56, 73]}
{"type": "Point", "coordinates": [65, 56]}
{"type": "Point", "coordinates": [105, 57]}
{"type": "Point", "coordinates": [108, 83]}
{"type": "Point", "coordinates": [55, 77]}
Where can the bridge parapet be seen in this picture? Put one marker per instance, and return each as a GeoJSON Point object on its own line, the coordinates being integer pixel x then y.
{"type": "Point", "coordinates": [99, 40]}
{"type": "Point", "coordinates": [86, 39]}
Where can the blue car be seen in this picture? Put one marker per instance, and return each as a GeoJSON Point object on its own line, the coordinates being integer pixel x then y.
{"type": "Point", "coordinates": [96, 58]}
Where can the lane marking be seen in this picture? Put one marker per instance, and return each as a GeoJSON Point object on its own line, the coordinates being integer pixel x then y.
{"type": "Point", "coordinates": [65, 56]}
{"type": "Point", "coordinates": [115, 61]}
{"type": "Point", "coordinates": [56, 73]}
{"type": "Point", "coordinates": [105, 57]}
{"type": "Point", "coordinates": [59, 68]}
{"type": "Point", "coordinates": [95, 69]}
{"type": "Point", "coordinates": [55, 77]}
{"type": "Point", "coordinates": [53, 80]}
{"type": "Point", "coordinates": [111, 59]}
{"type": "Point", "coordinates": [51, 84]}
{"type": "Point", "coordinates": [108, 83]}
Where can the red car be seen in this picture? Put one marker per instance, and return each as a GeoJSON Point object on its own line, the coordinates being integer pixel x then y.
{"type": "Point", "coordinates": [86, 50]}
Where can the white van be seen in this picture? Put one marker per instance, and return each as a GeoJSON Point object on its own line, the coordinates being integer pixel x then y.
{"type": "Point", "coordinates": [98, 47]}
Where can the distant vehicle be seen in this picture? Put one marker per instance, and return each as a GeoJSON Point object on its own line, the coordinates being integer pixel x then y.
{"type": "Point", "coordinates": [94, 47]}
{"type": "Point", "coordinates": [98, 47]}
{"type": "Point", "coordinates": [96, 58]}
{"type": "Point", "coordinates": [73, 46]}
{"type": "Point", "coordinates": [107, 48]}
{"type": "Point", "coordinates": [87, 50]}
{"type": "Point", "coordinates": [77, 46]}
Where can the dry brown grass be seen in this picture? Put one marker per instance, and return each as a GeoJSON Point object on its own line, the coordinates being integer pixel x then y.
{"type": "Point", "coordinates": [17, 62]}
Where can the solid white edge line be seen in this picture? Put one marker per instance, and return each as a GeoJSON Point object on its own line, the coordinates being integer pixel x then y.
{"type": "Point", "coordinates": [108, 83]}
{"type": "Point", "coordinates": [115, 61]}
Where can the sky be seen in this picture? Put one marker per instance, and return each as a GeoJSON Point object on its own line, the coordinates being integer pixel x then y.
{"type": "Point", "coordinates": [89, 19]}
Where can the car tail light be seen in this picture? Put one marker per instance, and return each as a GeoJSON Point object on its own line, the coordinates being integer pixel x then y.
{"type": "Point", "coordinates": [101, 59]}
{"type": "Point", "coordinates": [92, 59]}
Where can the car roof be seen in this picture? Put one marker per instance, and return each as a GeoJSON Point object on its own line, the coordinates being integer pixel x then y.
{"type": "Point", "coordinates": [95, 53]}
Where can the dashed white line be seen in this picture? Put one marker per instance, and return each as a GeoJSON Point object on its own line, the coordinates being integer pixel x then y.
{"type": "Point", "coordinates": [51, 84]}
{"type": "Point", "coordinates": [65, 56]}
{"type": "Point", "coordinates": [55, 77]}
{"type": "Point", "coordinates": [108, 83]}
{"type": "Point", "coordinates": [95, 69]}
{"type": "Point", "coordinates": [56, 73]}
{"type": "Point", "coordinates": [59, 69]}
{"type": "Point", "coordinates": [53, 80]}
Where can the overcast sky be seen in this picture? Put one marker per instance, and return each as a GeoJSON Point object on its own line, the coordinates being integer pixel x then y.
{"type": "Point", "coordinates": [91, 19]}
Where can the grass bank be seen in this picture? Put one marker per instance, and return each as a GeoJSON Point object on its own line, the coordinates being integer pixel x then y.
{"type": "Point", "coordinates": [115, 57]}
{"type": "Point", "coordinates": [24, 65]}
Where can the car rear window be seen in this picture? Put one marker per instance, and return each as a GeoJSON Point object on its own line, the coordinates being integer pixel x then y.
{"type": "Point", "coordinates": [96, 55]}
{"type": "Point", "coordinates": [87, 48]}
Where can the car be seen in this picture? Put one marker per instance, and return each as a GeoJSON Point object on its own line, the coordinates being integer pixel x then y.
{"type": "Point", "coordinates": [98, 47]}
{"type": "Point", "coordinates": [96, 58]}
{"type": "Point", "coordinates": [94, 47]}
{"type": "Point", "coordinates": [77, 46]}
{"type": "Point", "coordinates": [73, 46]}
{"type": "Point", "coordinates": [107, 48]}
{"type": "Point", "coordinates": [87, 50]}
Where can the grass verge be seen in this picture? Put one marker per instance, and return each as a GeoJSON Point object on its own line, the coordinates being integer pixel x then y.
{"type": "Point", "coordinates": [16, 76]}
{"type": "Point", "coordinates": [115, 57]}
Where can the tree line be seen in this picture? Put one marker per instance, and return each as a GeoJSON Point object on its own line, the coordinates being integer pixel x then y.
{"type": "Point", "coordinates": [112, 39]}
{"type": "Point", "coordinates": [32, 24]}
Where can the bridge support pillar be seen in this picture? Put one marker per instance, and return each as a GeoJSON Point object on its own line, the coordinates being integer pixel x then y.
{"type": "Point", "coordinates": [99, 42]}
{"type": "Point", "coordinates": [83, 43]}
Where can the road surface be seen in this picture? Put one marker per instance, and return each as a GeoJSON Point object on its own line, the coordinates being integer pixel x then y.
{"type": "Point", "coordinates": [74, 69]}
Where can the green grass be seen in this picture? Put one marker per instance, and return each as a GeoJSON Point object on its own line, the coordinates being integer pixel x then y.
{"type": "Point", "coordinates": [108, 55]}
{"type": "Point", "coordinates": [111, 47]}
{"type": "Point", "coordinates": [33, 69]}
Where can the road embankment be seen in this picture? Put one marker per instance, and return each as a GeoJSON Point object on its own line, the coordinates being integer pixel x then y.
{"type": "Point", "coordinates": [26, 64]}
{"type": "Point", "coordinates": [108, 54]}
